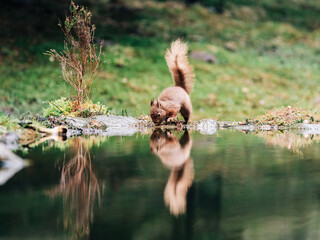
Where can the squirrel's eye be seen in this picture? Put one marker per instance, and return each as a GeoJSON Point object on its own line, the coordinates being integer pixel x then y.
{"type": "Point", "coordinates": [159, 114]}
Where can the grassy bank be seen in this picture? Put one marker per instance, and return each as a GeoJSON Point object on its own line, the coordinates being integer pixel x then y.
{"type": "Point", "coordinates": [273, 62]}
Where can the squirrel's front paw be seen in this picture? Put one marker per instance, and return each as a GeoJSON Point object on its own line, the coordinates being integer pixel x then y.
{"type": "Point", "coordinates": [170, 120]}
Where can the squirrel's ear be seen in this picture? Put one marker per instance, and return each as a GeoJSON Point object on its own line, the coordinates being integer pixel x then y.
{"type": "Point", "coordinates": [151, 103]}
{"type": "Point", "coordinates": [158, 104]}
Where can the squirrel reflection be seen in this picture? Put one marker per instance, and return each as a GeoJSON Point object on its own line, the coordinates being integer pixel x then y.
{"type": "Point", "coordinates": [79, 187]}
{"type": "Point", "coordinates": [175, 155]}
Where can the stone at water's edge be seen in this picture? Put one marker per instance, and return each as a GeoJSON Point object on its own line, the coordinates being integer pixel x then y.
{"type": "Point", "coordinates": [111, 125]}
{"type": "Point", "coordinates": [305, 128]}
{"type": "Point", "coordinates": [11, 163]}
{"type": "Point", "coordinates": [10, 140]}
{"type": "Point", "coordinates": [77, 122]}
{"type": "Point", "coordinates": [116, 121]}
{"type": "Point", "coordinates": [207, 126]}
{"type": "Point", "coordinates": [120, 125]}
{"type": "Point", "coordinates": [108, 121]}
{"type": "Point", "coordinates": [105, 125]}
{"type": "Point", "coordinates": [117, 125]}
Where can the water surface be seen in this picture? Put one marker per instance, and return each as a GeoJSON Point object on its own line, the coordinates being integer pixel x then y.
{"type": "Point", "coordinates": [168, 185]}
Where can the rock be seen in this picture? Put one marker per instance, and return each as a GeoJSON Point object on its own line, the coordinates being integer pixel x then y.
{"type": "Point", "coordinates": [231, 46]}
{"type": "Point", "coordinates": [77, 122]}
{"type": "Point", "coordinates": [74, 133]}
{"type": "Point", "coordinates": [115, 121]}
{"type": "Point", "coordinates": [203, 56]}
{"type": "Point", "coordinates": [226, 124]}
{"type": "Point", "coordinates": [207, 126]}
{"type": "Point", "coordinates": [249, 128]}
{"type": "Point", "coordinates": [96, 124]}
{"type": "Point", "coordinates": [11, 164]}
{"type": "Point", "coordinates": [25, 123]}
{"type": "Point", "coordinates": [303, 128]}
{"type": "Point", "coordinates": [265, 127]}
{"type": "Point", "coordinates": [104, 125]}
{"type": "Point", "coordinates": [11, 140]}
{"type": "Point", "coordinates": [29, 136]}
{"type": "Point", "coordinates": [306, 126]}
{"type": "Point", "coordinates": [123, 131]}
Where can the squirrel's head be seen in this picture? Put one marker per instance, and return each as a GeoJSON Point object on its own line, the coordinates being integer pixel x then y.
{"type": "Point", "coordinates": [157, 113]}
{"type": "Point", "coordinates": [160, 137]}
{"type": "Point", "coordinates": [157, 139]}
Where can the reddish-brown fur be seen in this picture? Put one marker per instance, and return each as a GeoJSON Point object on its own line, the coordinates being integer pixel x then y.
{"type": "Point", "coordinates": [175, 99]}
{"type": "Point", "coordinates": [174, 153]}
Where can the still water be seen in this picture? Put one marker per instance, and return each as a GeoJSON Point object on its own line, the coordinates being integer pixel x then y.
{"type": "Point", "coordinates": [167, 185]}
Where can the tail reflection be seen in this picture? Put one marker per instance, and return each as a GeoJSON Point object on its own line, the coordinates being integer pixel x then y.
{"type": "Point", "coordinates": [79, 188]}
{"type": "Point", "coordinates": [175, 155]}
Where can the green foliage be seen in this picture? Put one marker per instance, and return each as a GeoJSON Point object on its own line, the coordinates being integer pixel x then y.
{"type": "Point", "coordinates": [65, 107]}
{"type": "Point", "coordinates": [7, 123]}
{"type": "Point", "coordinates": [58, 107]}
{"type": "Point", "coordinates": [124, 112]}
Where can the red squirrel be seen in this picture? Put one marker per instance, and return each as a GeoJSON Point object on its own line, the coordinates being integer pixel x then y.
{"type": "Point", "coordinates": [175, 99]}
{"type": "Point", "coordinates": [174, 153]}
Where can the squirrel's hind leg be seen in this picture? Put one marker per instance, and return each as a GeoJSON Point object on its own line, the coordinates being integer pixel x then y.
{"type": "Point", "coordinates": [186, 112]}
{"type": "Point", "coordinates": [186, 109]}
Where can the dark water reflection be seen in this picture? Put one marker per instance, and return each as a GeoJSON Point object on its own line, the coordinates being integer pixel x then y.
{"type": "Point", "coordinates": [170, 185]}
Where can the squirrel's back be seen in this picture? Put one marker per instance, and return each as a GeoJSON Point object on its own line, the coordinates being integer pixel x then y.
{"type": "Point", "coordinates": [177, 61]}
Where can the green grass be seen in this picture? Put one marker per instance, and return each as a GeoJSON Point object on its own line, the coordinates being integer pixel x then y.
{"type": "Point", "coordinates": [7, 124]}
{"type": "Point", "coordinates": [276, 62]}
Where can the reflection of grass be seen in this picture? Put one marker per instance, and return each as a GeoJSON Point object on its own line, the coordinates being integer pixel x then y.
{"type": "Point", "coordinates": [274, 62]}
{"type": "Point", "coordinates": [288, 140]}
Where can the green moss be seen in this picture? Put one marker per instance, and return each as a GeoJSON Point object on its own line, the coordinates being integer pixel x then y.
{"type": "Point", "coordinates": [65, 107]}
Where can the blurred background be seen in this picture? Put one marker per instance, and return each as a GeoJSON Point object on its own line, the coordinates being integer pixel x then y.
{"type": "Point", "coordinates": [248, 56]}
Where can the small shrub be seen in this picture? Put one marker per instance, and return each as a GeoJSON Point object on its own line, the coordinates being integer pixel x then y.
{"type": "Point", "coordinates": [65, 107]}
{"type": "Point", "coordinates": [80, 60]}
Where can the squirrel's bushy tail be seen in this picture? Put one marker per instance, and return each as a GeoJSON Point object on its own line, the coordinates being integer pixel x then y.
{"type": "Point", "coordinates": [181, 71]}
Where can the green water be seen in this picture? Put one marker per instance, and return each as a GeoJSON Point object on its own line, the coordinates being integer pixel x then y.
{"type": "Point", "coordinates": [230, 185]}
